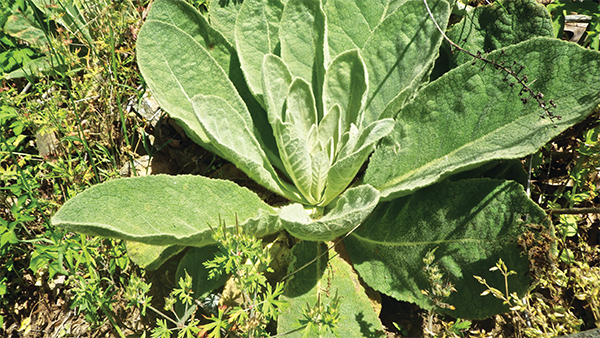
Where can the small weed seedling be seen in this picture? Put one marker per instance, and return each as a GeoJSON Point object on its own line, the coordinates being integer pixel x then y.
{"type": "Point", "coordinates": [243, 257]}
{"type": "Point", "coordinates": [440, 290]}
{"type": "Point", "coordinates": [533, 315]}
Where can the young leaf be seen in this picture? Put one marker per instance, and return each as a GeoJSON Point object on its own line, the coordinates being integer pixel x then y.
{"type": "Point", "coordinates": [320, 170]}
{"type": "Point", "coordinates": [346, 86]}
{"type": "Point", "coordinates": [321, 281]}
{"type": "Point", "coordinates": [257, 34]}
{"type": "Point", "coordinates": [330, 132]}
{"type": "Point", "coordinates": [350, 209]}
{"type": "Point", "coordinates": [231, 136]}
{"type": "Point", "coordinates": [468, 117]}
{"type": "Point", "coordinates": [300, 110]}
{"type": "Point", "coordinates": [295, 157]}
{"type": "Point", "coordinates": [276, 82]}
{"type": "Point", "coordinates": [163, 210]}
{"type": "Point", "coordinates": [351, 157]}
{"type": "Point", "coordinates": [473, 222]}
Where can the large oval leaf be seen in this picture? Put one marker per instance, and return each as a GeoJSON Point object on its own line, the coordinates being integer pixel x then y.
{"type": "Point", "coordinates": [322, 280]}
{"type": "Point", "coordinates": [303, 37]}
{"type": "Point", "coordinates": [504, 23]}
{"type": "Point", "coordinates": [473, 222]}
{"type": "Point", "coordinates": [468, 117]}
{"type": "Point", "coordinates": [173, 47]}
{"type": "Point", "coordinates": [206, 80]}
{"type": "Point", "coordinates": [163, 210]}
{"type": "Point", "coordinates": [182, 15]}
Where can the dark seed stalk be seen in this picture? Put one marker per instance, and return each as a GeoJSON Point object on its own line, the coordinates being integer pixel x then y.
{"type": "Point", "coordinates": [508, 71]}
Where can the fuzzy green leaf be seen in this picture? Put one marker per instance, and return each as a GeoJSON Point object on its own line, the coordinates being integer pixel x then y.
{"type": "Point", "coordinates": [151, 257]}
{"type": "Point", "coordinates": [473, 222]}
{"type": "Point", "coordinates": [257, 34]}
{"type": "Point", "coordinates": [296, 157]}
{"type": "Point", "coordinates": [469, 117]}
{"type": "Point", "coordinates": [501, 24]}
{"type": "Point", "coordinates": [401, 51]}
{"type": "Point", "coordinates": [346, 86]}
{"type": "Point", "coordinates": [189, 21]}
{"type": "Point", "coordinates": [330, 131]}
{"type": "Point", "coordinates": [276, 81]}
{"type": "Point", "coordinates": [164, 210]}
{"type": "Point", "coordinates": [353, 155]}
{"type": "Point", "coordinates": [302, 34]}
{"type": "Point", "coordinates": [324, 278]}
{"type": "Point", "coordinates": [231, 136]}
{"type": "Point", "coordinates": [222, 16]}
{"type": "Point", "coordinates": [300, 110]}
{"type": "Point", "coordinates": [320, 170]}
{"type": "Point", "coordinates": [174, 46]}
{"type": "Point", "coordinates": [350, 209]}
{"type": "Point", "coordinates": [351, 22]}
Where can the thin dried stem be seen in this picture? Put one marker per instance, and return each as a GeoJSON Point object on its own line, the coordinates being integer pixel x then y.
{"type": "Point", "coordinates": [508, 70]}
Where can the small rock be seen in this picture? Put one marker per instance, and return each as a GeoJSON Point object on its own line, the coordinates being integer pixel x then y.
{"type": "Point", "coordinates": [46, 142]}
{"type": "Point", "coordinates": [141, 164]}
{"type": "Point", "coordinates": [149, 109]}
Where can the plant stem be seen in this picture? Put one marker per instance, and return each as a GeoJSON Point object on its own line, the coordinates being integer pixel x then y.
{"type": "Point", "coordinates": [112, 321]}
{"type": "Point", "coordinates": [573, 211]}
{"type": "Point", "coordinates": [161, 314]}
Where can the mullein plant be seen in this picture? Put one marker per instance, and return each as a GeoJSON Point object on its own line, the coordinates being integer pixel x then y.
{"type": "Point", "coordinates": [298, 95]}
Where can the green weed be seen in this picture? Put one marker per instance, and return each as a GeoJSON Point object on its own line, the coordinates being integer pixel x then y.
{"type": "Point", "coordinates": [59, 136]}
{"type": "Point", "coordinates": [243, 257]}
{"type": "Point", "coordinates": [534, 315]}
{"type": "Point", "coordinates": [439, 291]}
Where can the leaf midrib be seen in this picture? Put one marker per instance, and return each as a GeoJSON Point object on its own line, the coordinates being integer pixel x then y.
{"type": "Point", "coordinates": [397, 244]}
{"type": "Point", "coordinates": [398, 180]}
